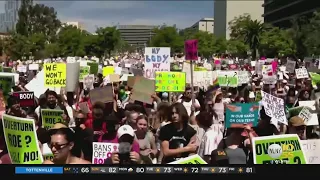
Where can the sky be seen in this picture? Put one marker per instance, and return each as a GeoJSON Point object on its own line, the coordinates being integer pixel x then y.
{"type": "Point", "coordinates": [93, 14]}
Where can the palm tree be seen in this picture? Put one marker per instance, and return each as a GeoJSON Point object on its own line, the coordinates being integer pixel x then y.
{"type": "Point", "coordinates": [251, 33]}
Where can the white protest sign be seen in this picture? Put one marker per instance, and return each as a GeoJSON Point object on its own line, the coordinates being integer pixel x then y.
{"type": "Point", "coordinates": [156, 59]}
{"type": "Point", "coordinates": [302, 73]}
{"type": "Point", "coordinates": [203, 78]}
{"type": "Point", "coordinates": [290, 66]}
{"type": "Point", "coordinates": [33, 67]}
{"type": "Point", "coordinates": [258, 67]}
{"type": "Point", "coordinates": [312, 105]}
{"type": "Point", "coordinates": [103, 151]}
{"type": "Point", "coordinates": [22, 68]}
{"type": "Point", "coordinates": [243, 77]}
{"type": "Point", "coordinates": [274, 107]}
{"type": "Point", "coordinates": [71, 59]}
{"type": "Point", "coordinates": [311, 150]}
{"type": "Point", "coordinates": [305, 114]}
{"type": "Point", "coordinates": [36, 84]}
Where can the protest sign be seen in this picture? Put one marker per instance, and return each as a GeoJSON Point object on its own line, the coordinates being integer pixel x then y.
{"type": "Point", "coordinates": [170, 81]}
{"type": "Point", "coordinates": [33, 67]}
{"type": "Point", "coordinates": [194, 159]}
{"type": "Point", "coordinates": [107, 70]}
{"type": "Point", "coordinates": [21, 140]}
{"type": "Point", "coordinates": [243, 77]}
{"type": "Point", "coordinates": [274, 107]}
{"type": "Point", "coordinates": [46, 152]}
{"type": "Point", "coordinates": [302, 73]}
{"type": "Point", "coordinates": [94, 67]}
{"type": "Point", "coordinates": [102, 151]}
{"type": "Point", "coordinates": [191, 49]}
{"type": "Point", "coordinates": [156, 59]}
{"type": "Point", "coordinates": [278, 149]}
{"type": "Point", "coordinates": [84, 71]}
{"type": "Point", "coordinates": [36, 84]}
{"type": "Point", "coordinates": [25, 98]}
{"type": "Point", "coordinates": [55, 75]}
{"type": "Point", "coordinates": [238, 114]}
{"type": "Point", "coordinates": [136, 71]}
{"type": "Point", "coordinates": [72, 80]}
{"type": "Point", "coordinates": [102, 94]}
{"type": "Point", "coordinates": [7, 69]}
{"type": "Point", "coordinates": [311, 149]}
{"type": "Point", "coordinates": [202, 79]}
{"type": "Point", "coordinates": [142, 90]}
{"type": "Point", "coordinates": [88, 81]}
{"type": "Point", "coordinates": [228, 78]}
{"type": "Point", "coordinates": [50, 117]}
{"type": "Point", "coordinates": [305, 114]}
{"type": "Point", "coordinates": [290, 66]}
{"type": "Point", "coordinates": [22, 68]}
{"type": "Point", "coordinates": [313, 121]}
{"type": "Point", "coordinates": [6, 83]}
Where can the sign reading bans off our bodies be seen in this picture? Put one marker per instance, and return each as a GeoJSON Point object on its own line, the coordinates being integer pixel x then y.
{"type": "Point", "coordinates": [21, 140]}
{"type": "Point", "coordinates": [55, 74]}
{"type": "Point", "coordinates": [279, 149]}
{"type": "Point", "coordinates": [50, 117]}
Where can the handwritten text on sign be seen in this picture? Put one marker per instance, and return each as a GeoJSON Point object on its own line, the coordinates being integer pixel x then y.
{"type": "Point", "coordinates": [191, 49]}
{"type": "Point", "coordinates": [156, 59]}
{"type": "Point", "coordinates": [55, 74]}
{"type": "Point", "coordinates": [274, 107]}
{"type": "Point", "coordinates": [170, 82]}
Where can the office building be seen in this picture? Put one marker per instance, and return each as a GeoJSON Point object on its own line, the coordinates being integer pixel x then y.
{"type": "Point", "coordinates": [9, 18]}
{"type": "Point", "coordinates": [75, 24]}
{"type": "Point", "coordinates": [204, 24]}
{"type": "Point", "coordinates": [137, 35]}
{"type": "Point", "coordinates": [226, 10]}
{"type": "Point", "coordinates": [281, 12]}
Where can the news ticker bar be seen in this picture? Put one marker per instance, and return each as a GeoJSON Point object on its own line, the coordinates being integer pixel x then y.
{"type": "Point", "coordinates": [134, 170]}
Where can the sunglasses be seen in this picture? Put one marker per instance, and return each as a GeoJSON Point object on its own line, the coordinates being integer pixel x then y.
{"type": "Point", "coordinates": [58, 146]}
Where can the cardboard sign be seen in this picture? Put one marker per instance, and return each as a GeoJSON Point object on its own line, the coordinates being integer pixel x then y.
{"type": "Point", "coordinates": [131, 80]}
{"type": "Point", "coordinates": [25, 98]}
{"type": "Point", "coordinates": [239, 114]}
{"type": "Point", "coordinates": [102, 94]}
{"type": "Point", "coordinates": [191, 49]}
{"type": "Point", "coordinates": [278, 149]}
{"type": "Point", "coordinates": [194, 159]}
{"type": "Point", "coordinates": [143, 89]}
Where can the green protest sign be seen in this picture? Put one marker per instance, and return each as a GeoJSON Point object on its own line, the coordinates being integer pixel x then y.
{"type": "Point", "coordinates": [228, 78]}
{"type": "Point", "coordinates": [278, 149]}
{"type": "Point", "coordinates": [194, 159]}
{"type": "Point", "coordinates": [50, 117]}
{"type": "Point", "coordinates": [21, 140]}
{"type": "Point", "coordinates": [6, 83]}
{"type": "Point", "coordinates": [94, 67]}
{"type": "Point", "coordinates": [84, 71]}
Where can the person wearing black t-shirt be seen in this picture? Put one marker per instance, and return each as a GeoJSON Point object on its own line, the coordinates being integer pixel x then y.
{"type": "Point", "coordinates": [178, 139]}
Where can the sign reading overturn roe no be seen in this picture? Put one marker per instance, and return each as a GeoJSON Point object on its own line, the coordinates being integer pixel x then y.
{"type": "Point", "coordinates": [55, 75]}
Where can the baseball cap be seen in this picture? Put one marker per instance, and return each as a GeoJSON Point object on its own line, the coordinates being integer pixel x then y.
{"type": "Point", "coordinates": [296, 121]}
{"type": "Point", "coordinates": [219, 157]}
{"type": "Point", "coordinates": [125, 129]}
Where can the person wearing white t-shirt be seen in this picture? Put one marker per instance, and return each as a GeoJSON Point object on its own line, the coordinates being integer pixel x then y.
{"type": "Point", "coordinates": [186, 100]}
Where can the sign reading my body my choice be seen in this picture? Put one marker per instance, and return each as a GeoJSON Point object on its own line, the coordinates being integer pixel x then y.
{"type": "Point", "coordinates": [156, 59]}
{"type": "Point", "coordinates": [50, 117]}
{"type": "Point", "coordinates": [55, 75]}
{"type": "Point", "coordinates": [25, 98]}
{"type": "Point", "coordinates": [170, 81]}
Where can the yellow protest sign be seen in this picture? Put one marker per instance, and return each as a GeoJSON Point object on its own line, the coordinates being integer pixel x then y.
{"type": "Point", "coordinates": [55, 75]}
{"type": "Point", "coordinates": [50, 117]}
{"type": "Point", "coordinates": [107, 70]}
{"type": "Point", "coordinates": [170, 81]}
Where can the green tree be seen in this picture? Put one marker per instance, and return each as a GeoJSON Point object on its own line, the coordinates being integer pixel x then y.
{"type": "Point", "coordinates": [108, 39]}
{"type": "Point", "coordinates": [298, 32]}
{"type": "Point", "coordinates": [167, 37]}
{"type": "Point", "coordinates": [237, 48]}
{"type": "Point", "coordinates": [275, 41]}
{"type": "Point", "coordinates": [71, 41]}
{"type": "Point", "coordinates": [187, 33]}
{"type": "Point", "coordinates": [23, 26]}
{"type": "Point", "coordinates": [18, 46]}
{"type": "Point", "coordinates": [312, 33]}
{"type": "Point", "coordinates": [206, 43]}
{"type": "Point", "coordinates": [237, 25]}
{"type": "Point", "coordinates": [52, 50]}
{"type": "Point", "coordinates": [252, 33]}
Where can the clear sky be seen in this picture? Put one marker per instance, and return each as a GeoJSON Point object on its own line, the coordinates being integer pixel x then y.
{"type": "Point", "coordinates": [183, 13]}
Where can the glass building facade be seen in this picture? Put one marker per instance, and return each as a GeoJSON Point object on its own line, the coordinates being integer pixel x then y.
{"type": "Point", "coordinates": [137, 35]}
{"type": "Point", "coordinates": [280, 12]}
{"type": "Point", "coordinates": [9, 18]}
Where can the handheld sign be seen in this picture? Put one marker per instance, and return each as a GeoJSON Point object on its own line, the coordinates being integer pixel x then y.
{"type": "Point", "coordinates": [170, 81]}
{"type": "Point", "coordinates": [103, 151]}
{"type": "Point", "coordinates": [25, 98]}
{"type": "Point", "coordinates": [21, 140]}
{"type": "Point", "coordinates": [278, 149]}
{"type": "Point", "coordinates": [50, 117]}
{"type": "Point", "coordinates": [191, 49]}
{"type": "Point", "coordinates": [194, 159]}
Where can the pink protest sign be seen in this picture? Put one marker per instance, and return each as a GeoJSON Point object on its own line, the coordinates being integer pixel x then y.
{"type": "Point", "coordinates": [191, 49]}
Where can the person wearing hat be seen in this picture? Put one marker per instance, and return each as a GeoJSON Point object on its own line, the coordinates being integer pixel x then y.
{"type": "Point", "coordinates": [297, 126]}
{"type": "Point", "coordinates": [125, 135]}
{"type": "Point", "coordinates": [62, 146]}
